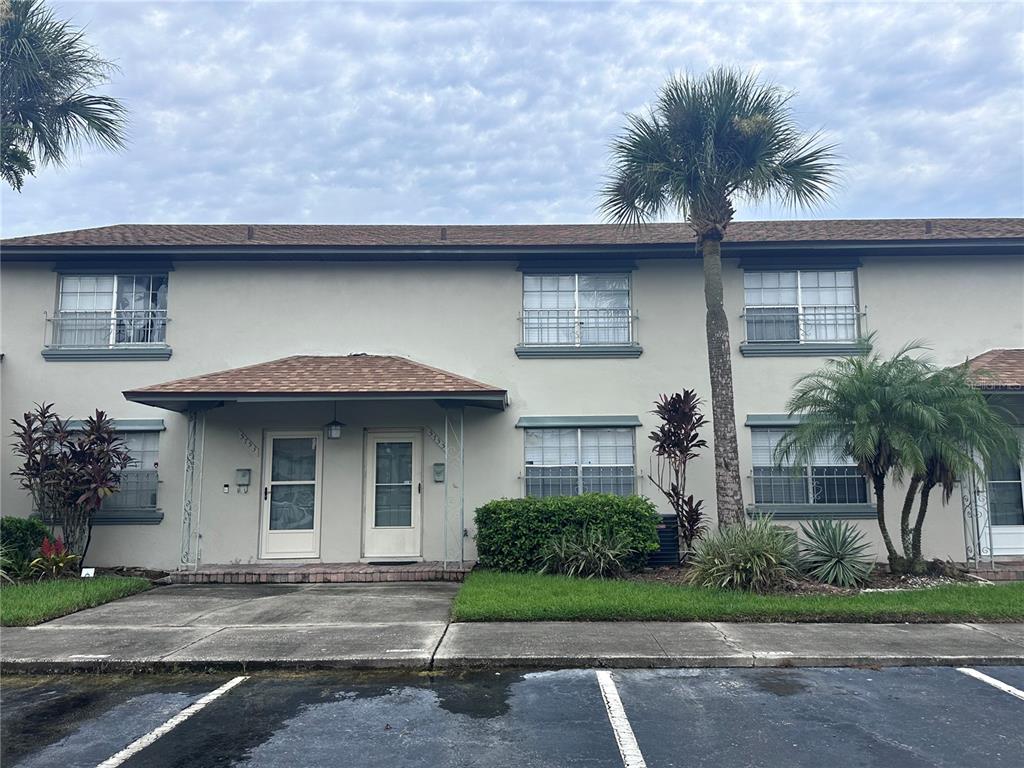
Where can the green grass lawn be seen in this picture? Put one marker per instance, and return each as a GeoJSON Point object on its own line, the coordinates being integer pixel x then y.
{"type": "Point", "coordinates": [22, 605]}
{"type": "Point", "coordinates": [493, 596]}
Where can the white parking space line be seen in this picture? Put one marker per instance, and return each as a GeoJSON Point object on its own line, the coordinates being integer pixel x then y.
{"type": "Point", "coordinates": [628, 747]}
{"type": "Point", "coordinates": [141, 743]}
{"type": "Point", "coordinates": [1004, 687]}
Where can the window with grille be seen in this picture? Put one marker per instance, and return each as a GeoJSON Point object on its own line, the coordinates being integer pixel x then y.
{"type": "Point", "coordinates": [831, 478]}
{"type": "Point", "coordinates": [139, 481]}
{"type": "Point", "coordinates": [568, 462]}
{"type": "Point", "coordinates": [110, 310]}
{"type": "Point", "coordinates": [577, 310]}
{"type": "Point", "coordinates": [804, 305]}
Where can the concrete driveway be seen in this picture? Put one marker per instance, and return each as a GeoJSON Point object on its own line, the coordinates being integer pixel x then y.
{"type": "Point", "coordinates": [402, 623]}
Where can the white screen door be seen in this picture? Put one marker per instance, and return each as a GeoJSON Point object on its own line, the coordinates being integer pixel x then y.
{"type": "Point", "coordinates": [393, 486]}
{"type": "Point", "coordinates": [291, 495]}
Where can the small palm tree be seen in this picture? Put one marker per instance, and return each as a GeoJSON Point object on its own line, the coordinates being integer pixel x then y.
{"type": "Point", "coordinates": [970, 438]}
{"type": "Point", "coordinates": [706, 142]}
{"type": "Point", "coordinates": [871, 409]}
{"type": "Point", "coordinates": [46, 73]}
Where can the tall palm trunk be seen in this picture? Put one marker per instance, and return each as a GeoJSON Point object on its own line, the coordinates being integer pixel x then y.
{"type": "Point", "coordinates": [878, 481]}
{"type": "Point", "coordinates": [728, 490]}
{"type": "Point", "coordinates": [922, 510]}
{"type": "Point", "coordinates": [906, 539]}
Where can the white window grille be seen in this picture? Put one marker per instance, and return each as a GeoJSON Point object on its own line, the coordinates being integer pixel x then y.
{"type": "Point", "coordinates": [831, 478]}
{"type": "Point", "coordinates": [577, 310]}
{"type": "Point", "coordinates": [571, 461]}
{"type": "Point", "coordinates": [801, 306]}
{"type": "Point", "coordinates": [139, 482]}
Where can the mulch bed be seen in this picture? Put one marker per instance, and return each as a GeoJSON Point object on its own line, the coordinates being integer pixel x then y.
{"type": "Point", "coordinates": [881, 580]}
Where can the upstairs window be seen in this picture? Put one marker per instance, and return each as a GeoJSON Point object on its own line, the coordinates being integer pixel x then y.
{"type": "Point", "coordinates": [831, 478]}
{"type": "Point", "coordinates": [568, 462]}
{"type": "Point", "coordinates": [801, 306]}
{"type": "Point", "coordinates": [574, 310]}
{"type": "Point", "coordinates": [139, 481]}
{"type": "Point", "coordinates": [111, 310]}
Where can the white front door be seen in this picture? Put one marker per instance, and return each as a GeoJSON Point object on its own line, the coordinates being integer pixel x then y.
{"type": "Point", "coordinates": [291, 495]}
{"type": "Point", "coordinates": [391, 527]}
{"type": "Point", "coordinates": [1006, 507]}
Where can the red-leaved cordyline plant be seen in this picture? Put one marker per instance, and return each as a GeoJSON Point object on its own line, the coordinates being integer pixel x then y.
{"type": "Point", "coordinates": [676, 441]}
{"type": "Point", "coordinates": [68, 473]}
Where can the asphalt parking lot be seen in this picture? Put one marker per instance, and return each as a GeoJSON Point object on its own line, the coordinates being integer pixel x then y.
{"type": "Point", "coordinates": [695, 717]}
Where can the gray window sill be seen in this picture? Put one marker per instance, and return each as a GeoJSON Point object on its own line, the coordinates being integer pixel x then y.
{"type": "Point", "coordinates": [533, 351]}
{"type": "Point", "coordinates": [811, 511]}
{"type": "Point", "coordinates": [154, 352]}
{"type": "Point", "coordinates": [801, 349]}
{"type": "Point", "coordinates": [128, 517]}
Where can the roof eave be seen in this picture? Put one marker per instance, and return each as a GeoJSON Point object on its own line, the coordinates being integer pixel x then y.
{"type": "Point", "coordinates": [185, 401]}
{"type": "Point", "coordinates": [682, 249]}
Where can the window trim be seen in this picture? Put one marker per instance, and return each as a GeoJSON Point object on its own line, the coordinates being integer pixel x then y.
{"type": "Point", "coordinates": [113, 350]}
{"type": "Point", "coordinates": [800, 346]}
{"type": "Point", "coordinates": [766, 422]}
{"type": "Point", "coordinates": [628, 348]}
{"type": "Point", "coordinates": [579, 465]}
{"type": "Point", "coordinates": [1018, 482]}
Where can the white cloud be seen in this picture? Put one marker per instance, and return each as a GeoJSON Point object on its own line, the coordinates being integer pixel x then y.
{"type": "Point", "coordinates": [480, 113]}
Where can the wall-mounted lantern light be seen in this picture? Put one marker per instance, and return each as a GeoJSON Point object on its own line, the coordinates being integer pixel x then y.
{"type": "Point", "coordinates": [333, 428]}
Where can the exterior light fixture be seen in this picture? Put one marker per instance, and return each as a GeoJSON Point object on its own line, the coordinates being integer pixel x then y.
{"type": "Point", "coordinates": [333, 428]}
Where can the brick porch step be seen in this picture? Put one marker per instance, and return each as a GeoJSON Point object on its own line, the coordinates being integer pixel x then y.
{"type": "Point", "coordinates": [321, 573]}
{"type": "Point", "coordinates": [1009, 570]}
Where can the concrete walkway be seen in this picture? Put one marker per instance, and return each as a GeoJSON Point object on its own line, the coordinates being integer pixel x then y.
{"type": "Point", "coordinates": [406, 626]}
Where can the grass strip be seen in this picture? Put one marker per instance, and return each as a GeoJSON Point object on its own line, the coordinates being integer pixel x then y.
{"type": "Point", "coordinates": [493, 596]}
{"type": "Point", "coordinates": [25, 604]}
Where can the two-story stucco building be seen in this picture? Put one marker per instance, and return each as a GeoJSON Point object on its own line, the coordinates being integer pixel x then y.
{"type": "Point", "coordinates": [353, 393]}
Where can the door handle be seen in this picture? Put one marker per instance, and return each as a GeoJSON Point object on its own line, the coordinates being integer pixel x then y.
{"type": "Point", "coordinates": [419, 487]}
{"type": "Point", "coordinates": [266, 493]}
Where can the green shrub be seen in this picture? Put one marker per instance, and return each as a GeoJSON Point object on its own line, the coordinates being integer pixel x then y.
{"type": "Point", "coordinates": [592, 551]}
{"type": "Point", "coordinates": [512, 533]}
{"type": "Point", "coordinates": [833, 552]}
{"type": "Point", "coordinates": [21, 538]}
{"type": "Point", "coordinates": [759, 556]}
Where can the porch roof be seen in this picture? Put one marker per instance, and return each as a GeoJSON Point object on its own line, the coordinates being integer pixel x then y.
{"type": "Point", "coordinates": [321, 377]}
{"type": "Point", "coordinates": [998, 370]}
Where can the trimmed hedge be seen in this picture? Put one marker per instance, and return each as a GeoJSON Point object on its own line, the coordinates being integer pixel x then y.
{"type": "Point", "coordinates": [22, 536]}
{"type": "Point", "coordinates": [512, 533]}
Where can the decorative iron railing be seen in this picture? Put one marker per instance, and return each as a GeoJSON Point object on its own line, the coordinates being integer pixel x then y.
{"type": "Point", "coordinates": [91, 330]}
{"type": "Point", "coordinates": [577, 327]}
{"type": "Point", "coordinates": [799, 324]}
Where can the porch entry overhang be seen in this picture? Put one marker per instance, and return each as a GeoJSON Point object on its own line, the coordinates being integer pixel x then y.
{"type": "Point", "coordinates": [341, 378]}
{"type": "Point", "coordinates": [321, 377]}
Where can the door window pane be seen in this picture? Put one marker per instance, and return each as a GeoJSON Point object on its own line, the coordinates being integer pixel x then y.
{"type": "Point", "coordinates": [1006, 493]}
{"type": "Point", "coordinates": [393, 491]}
{"type": "Point", "coordinates": [291, 507]}
{"type": "Point", "coordinates": [294, 459]}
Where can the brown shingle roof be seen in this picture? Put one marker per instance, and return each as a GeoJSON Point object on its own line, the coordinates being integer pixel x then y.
{"type": "Point", "coordinates": [357, 236]}
{"type": "Point", "coordinates": [324, 375]}
{"type": "Point", "coordinates": [998, 369]}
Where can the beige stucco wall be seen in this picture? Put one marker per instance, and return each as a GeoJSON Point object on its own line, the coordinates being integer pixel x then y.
{"type": "Point", "coordinates": [463, 318]}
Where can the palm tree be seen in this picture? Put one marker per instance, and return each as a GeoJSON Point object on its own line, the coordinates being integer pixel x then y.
{"type": "Point", "coordinates": [46, 72]}
{"type": "Point", "coordinates": [871, 409]}
{"type": "Point", "coordinates": [708, 141]}
{"type": "Point", "coordinates": [970, 438]}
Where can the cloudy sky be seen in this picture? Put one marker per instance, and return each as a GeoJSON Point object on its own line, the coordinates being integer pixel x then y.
{"type": "Point", "coordinates": [501, 113]}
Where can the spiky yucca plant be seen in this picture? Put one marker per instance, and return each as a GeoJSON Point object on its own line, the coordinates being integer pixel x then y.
{"type": "Point", "coordinates": [835, 552]}
{"type": "Point", "coordinates": [758, 557]}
